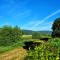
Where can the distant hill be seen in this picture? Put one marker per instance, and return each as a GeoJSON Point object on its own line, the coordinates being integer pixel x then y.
{"type": "Point", "coordinates": [29, 32]}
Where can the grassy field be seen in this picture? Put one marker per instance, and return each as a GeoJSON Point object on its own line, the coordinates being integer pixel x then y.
{"type": "Point", "coordinates": [13, 52]}
{"type": "Point", "coordinates": [8, 48]}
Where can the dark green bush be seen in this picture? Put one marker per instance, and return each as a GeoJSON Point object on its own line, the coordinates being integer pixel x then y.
{"type": "Point", "coordinates": [56, 28]}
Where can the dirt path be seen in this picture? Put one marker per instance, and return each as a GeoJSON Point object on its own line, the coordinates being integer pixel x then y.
{"type": "Point", "coordinates": [16, 54]}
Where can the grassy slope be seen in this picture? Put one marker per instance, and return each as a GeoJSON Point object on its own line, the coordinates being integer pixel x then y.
{"type": "Point", "coordinates": [8, 48]}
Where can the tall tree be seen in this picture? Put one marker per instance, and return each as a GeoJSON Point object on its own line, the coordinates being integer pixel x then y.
{"type": "Point", "coordinates": [56, 28]}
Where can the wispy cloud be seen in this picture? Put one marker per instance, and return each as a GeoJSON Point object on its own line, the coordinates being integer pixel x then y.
{"type": "Point", "coordinates": [44, 26]}
{"type": "Point", "coordinates": [41, 24]}
{"type": "Point", "coordinates": [43, 20]}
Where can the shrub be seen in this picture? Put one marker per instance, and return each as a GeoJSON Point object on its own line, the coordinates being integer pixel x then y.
{"type": "Point", "coordinates": [54, 42]}
{"type": "Point", "coordinates": [9, 35]}
{"type": "Point", "coordinates": [46, 51]}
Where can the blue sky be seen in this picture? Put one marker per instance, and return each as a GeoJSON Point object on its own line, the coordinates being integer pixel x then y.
{"type": "Point", "coordinates": [29, 14]}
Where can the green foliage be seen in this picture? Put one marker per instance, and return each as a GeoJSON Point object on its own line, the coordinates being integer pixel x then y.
{"type": "Point", "coordinates": [18, 44]}
{"type": "Point", "coordinates": [56, 28]}
{"type": "Point", "coordinates": [46, 51]}
{"type": "Point", "coordinates": [54, 42]}
{"type": "Point", "coordinates": [9, 35]}
{"type": "Point", "coordinates": [36, 35]}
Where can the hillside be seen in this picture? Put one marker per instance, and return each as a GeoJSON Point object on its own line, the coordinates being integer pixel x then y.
{"type": "Point", "coordinates": [29, 32]}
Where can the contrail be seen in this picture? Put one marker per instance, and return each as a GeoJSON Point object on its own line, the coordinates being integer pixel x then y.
{"type": "Point", "coordinates": [54, 13]}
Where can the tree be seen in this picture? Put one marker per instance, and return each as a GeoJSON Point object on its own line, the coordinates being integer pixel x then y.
{"type": "Point", "coordinates": [56, 28]}
{"type": "Point", "coordinates": [9, 35]}
{"type": "Point", "coordinates": [17, 33]}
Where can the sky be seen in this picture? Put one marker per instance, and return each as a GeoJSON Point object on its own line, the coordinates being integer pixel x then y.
{"type": "Point", "coordinates": [34, 15]}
